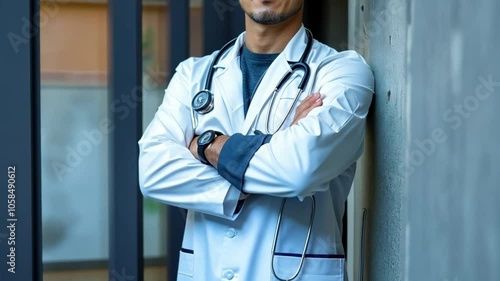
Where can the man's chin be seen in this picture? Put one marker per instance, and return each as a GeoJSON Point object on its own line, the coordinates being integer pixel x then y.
{"type": "Point", "coordinates": [267, 18]}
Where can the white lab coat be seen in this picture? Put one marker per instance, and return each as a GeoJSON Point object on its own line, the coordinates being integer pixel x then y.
{"type": "Point", "coordinates": [315, 157]}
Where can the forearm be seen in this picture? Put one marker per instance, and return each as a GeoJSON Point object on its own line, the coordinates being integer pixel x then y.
{"type": "Point", "coordinates": [169, 173]}
{"type": "Point", "coordinates": [213, 151]}
{"type": "Point", "coordinates": [304, 166]}
{"type": "Point", "coordinates": [230, 155]}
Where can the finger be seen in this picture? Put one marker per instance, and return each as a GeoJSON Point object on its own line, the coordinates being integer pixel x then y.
{"type": "Point", "coordinates": [303, 113]}
{"type": "Point", "coordinates": [318, 101]}
{"type": "Point", "coordinates": [314, 97]}
{"type": "Point", "coordinates": [311, 98]}
{"type": "Point", "coordinates": [308, 101]}
{"type": "Point", "coordinates": [315, 102]}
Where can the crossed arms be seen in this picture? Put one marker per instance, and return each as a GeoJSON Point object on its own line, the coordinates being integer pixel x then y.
{"type": "Point", "coordinates": [213, 151]}
{"type": "Point", "coordinates": [297, 162]}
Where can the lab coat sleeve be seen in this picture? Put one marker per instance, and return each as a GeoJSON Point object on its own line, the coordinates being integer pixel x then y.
{"type": "Point", "coordinates": [237, 152]}
{"type": "Point", "coordinates": [168, 172]}
{"type": "Point", "coordinates": [301, 159]}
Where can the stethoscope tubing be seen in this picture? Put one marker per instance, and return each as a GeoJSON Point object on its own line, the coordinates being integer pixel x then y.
{"type": "Point", "coordinates": [301, 65]}
{"type": "Point", "coordinates": [210, 75]}
{"type": "Point", "coordinates": [306, 243]}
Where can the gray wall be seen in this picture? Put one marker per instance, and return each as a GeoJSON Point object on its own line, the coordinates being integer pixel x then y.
{"type": "Point", "coordinates": [378, 31]}
{"type": "Point", "coordinates": [453, 223]}
{"type": "Point", "coordinates": [432, 162]}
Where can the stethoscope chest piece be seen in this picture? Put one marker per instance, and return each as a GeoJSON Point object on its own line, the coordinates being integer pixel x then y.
{"type": "Point", "coordinates": [203, 102]}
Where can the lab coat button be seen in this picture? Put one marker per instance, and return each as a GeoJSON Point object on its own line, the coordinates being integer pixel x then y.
{"type": "Point", "coordinates": [230, 233]}
{"type": "Point", "coordinates": [229, 275]}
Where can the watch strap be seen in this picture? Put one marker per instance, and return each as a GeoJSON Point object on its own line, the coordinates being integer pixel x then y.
{"type": "Point", "coordinates": [202, 148]}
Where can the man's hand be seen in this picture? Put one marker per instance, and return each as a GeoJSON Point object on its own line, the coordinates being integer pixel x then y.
{"type": "Point", "coordinates": [306, 106]}
{"type": "Point", "coordinates": [212, 151]}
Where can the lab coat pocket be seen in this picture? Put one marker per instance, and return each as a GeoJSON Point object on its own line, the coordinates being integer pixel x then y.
{"type": "Point", "coordinates": [284, 103]}
{"type": "Point", "coordinates": [186, 266]}
{"type": "Point", "coordinates": [314, 269]}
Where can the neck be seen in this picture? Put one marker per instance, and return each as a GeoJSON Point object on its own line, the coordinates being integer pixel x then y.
{"type": "Point", "coordinates": [270, 39]}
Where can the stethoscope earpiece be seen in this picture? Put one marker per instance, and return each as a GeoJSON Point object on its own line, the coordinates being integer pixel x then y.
{"type": "Point", "coordinates": [203, 102]}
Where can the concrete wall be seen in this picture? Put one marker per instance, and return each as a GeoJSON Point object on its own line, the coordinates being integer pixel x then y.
{"type": "Point", "coordinates": [378, 31]}
{"type": "Point", "coordinates": [454, 158]}
{"type": "Point", "coordinates": [429, 178]}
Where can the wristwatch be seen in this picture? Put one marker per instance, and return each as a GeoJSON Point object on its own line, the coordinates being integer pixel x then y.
{"type": "Point", "coordinates": [204, 141]}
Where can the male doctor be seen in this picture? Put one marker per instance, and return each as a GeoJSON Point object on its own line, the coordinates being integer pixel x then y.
{"type": "Point", "coordinates": [232, 174]}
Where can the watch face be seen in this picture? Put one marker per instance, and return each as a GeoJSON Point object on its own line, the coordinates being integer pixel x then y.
{"type": "Point", "coordinates": [206, 137]}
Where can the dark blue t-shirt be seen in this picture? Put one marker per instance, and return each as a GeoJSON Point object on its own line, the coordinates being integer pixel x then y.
{"type": "Point", "coordinates": [239, 149]}
{"type": "Point", "coordinates": [253, 67]}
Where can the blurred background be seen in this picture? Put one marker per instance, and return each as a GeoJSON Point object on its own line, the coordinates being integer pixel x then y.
{"type": "Point", "coordinates": [74, 48]}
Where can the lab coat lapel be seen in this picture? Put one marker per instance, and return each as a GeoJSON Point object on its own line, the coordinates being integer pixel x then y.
{"type": "Point", "coordinates": [262, 97]}
{"type": "Point", "coordinates": [228, 84]}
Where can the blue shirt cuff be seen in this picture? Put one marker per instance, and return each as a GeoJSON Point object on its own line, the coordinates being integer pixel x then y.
{"type": "Point", "coordinates": [236, 154]}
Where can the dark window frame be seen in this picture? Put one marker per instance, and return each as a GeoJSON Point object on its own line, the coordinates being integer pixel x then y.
{"type": "Point", "coordinates": [20, 139]}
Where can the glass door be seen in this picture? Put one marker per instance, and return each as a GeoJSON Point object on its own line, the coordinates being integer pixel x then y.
{"type": "Point", "coordinates": [75, 139]}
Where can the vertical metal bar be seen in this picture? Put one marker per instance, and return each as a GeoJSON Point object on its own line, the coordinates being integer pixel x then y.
{"type": "Point", "coordinates": [36, 215]}
{"type": "Point", "coordinates": [345, 230]}
{"type": "Point", "coordinates": [179, 32]}
{"type": "Point", "coordinates": [20, 214]}
{"type": "Point", "coordinates": [362, 247]}
{"type": "Point", "coordinates": [179, 51]}
{"type": "Point", "coordinates": [126, 211]}
{"type": "Point", "coordinates": [313, 17]}
{"type": "Point", "coordinates": [222, 20]}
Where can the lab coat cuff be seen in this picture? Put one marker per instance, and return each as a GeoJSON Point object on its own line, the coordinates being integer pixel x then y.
{"type": "Point", "coordinates": [236, 155]}
{"type": "Point", "coordinates": [268, 137]}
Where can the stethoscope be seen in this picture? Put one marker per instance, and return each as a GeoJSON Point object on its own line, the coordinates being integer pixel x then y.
{"type": "Point", "coordinates": [306, 243]}
{"type": "Point", "coordinates": [203, 103]}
